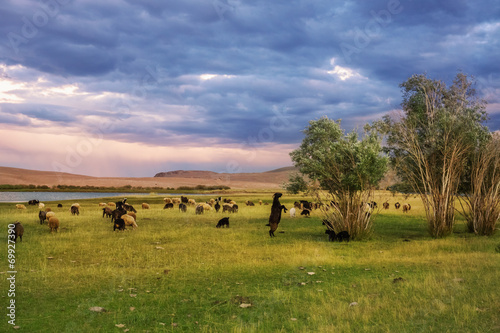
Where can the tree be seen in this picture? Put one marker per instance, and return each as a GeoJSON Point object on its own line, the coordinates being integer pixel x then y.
{"type": "Point", "coordinates": [481, 201]}
{"type": "Point", "coordinates": [347, 168]}
{"type": "Point", "coordinates": [430, 140]}
{"type": "Point", "coordinates": [296, 184]}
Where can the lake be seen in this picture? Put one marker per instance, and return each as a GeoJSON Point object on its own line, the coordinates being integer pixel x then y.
{"type": "Point", "coordinates": [24, 197]}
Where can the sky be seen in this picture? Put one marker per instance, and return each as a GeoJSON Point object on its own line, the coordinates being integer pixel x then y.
{"type": "Point", "coordinates": [126, 88]}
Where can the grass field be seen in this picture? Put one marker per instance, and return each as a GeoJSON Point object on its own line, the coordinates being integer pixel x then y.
{"type": "Point", "coordinates": [179, 273]}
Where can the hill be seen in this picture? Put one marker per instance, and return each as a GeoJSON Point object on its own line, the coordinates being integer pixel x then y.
{"type": "Point", "coordinates": [261, 180]}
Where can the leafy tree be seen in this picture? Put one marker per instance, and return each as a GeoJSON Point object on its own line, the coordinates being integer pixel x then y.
{"type": "Point", "coordinates": [346, 168]}
{"type": "Point", "coordinates": [296, 184]}
{"type": "Point", "coordinates": [430, 141]}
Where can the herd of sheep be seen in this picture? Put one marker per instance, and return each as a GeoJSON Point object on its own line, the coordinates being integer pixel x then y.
{"type": "Point", "coordinates": [123, 214]}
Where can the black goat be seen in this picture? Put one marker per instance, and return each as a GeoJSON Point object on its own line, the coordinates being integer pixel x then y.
{"type": "Point", "coordinates": [168, 205]}
{"type": "Point", "coordinates": [119, 224]}
{"type": "Point", "coordinates": [42, 216]}
{"type": "Point", "coordinates": [306, 212]}
{"type": "Point", "coordinates": [223, 222]}
{"type": "Point", "coordinates": [275, 217]}
{"type": "Point", "coordinates": [331, 235]}
{"type": "Point", "coordinates": [343, 236]}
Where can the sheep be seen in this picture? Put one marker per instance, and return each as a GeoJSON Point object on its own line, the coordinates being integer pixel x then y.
{"type": "Point", "coordinates": [119, 224]}
{"type": "Point", "coordinates": [249, 203]}
{"type": "Point", "coordinates": [168, 205]}
{"type": "Point", "coordinates": [275, 216]}
{"type": "Point", "coordinates": [20, 206]}
{"type": "Point", "coordinates": [223, 222]}
{"type": "Point", "coordinates": [41, 205]}
{"type": "Point", "coordinates": [343, 236]}
{"type": "Point", "coordinates": [76, 205]}
{"type": "Point", "coordinates": [234, 209]}
{"type": "Point", "coordinates": [111, 204]}
{"type": "Point", "coordinates": [226, 207]}
{"type": "Point", "coordinates": [176, 200]}
{"type": "Point", "coordinates": [199, 209]}
{"type": "Point", "coordinates": [132, 214]}
{"type": "Point", "coordinates": [129, 220]}
{"type": "Point", "coordinates": [406, 208]}
{"type": "Point", "coordinates": [292, 212]}
{"type": "Point", "coordinates": [106, 211]}
{"type": "Point", "coordinates": [183, 207]}
{"type": "Point", "coordinates": [42, 216]}
{"type": "Point", "coordinates": [48, 209]}
{"type": "Point", "coordinates": [331, 235]}
{"type": "Point", "coordinates": [232, 202]}
{"type": "Point", "coordinates": [19, 231]}
{"type": "Point", "coordinates": [260, 202]}
{"type": "Point", "coordinates": [53, 224]}
{"type": "Point", "coordinates": [397, 205]}
{"type": "Point", "coordinates": [206, 206]}
{"type": "Point", "coordinates": [145, 205]}
{"type": "Point", "coordinates": [59, 205]}
{"type": "Point", "coordinates": [217, 206]}
{"type": "Point", "coordinates": [33, 202]}
{"type": "Point", "coordinates": [49, 215]}
{"type": "Point", "coordinates": [75, 210]}
{"type": "Point", "coordinates": [306, 212]}
{"type": "Point", "coordinates": [102, 204]}
{"type": "Point", "coordinates": [191, 202]}
{"type": "Point", "coordinates": [385, 205]}
{"type": "Point", "coordinates": [167, 200]}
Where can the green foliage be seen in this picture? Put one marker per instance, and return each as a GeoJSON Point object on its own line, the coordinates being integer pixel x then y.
{"type": "Point", "coordinates": [296, 184]}
{"type": "Point", "coordinates": [340, 162]}
{"type": "Point", "coordinates": [430, 140]}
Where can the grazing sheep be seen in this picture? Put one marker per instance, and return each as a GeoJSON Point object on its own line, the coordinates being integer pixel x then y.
{"type": "Point", "coordinates": [129, 220]}
{"type": "Point", "coordinates": [19, 231]}
{"type": "Point", "coordinates": [33, 202]}
{"type": "Point", "coordinates": [199, 210]}
{"type": "Point", "coordinates": [48, 209]}
{"type": "Point", "coordinates": [119, 224]}
{"type": "Point", "coordinates": [53, 224]}
{"type": "Point", "coordinates": [167, 200]}
{"type": "Point", "coordinates": [191, 202]}
{"type": "Point", "coordinates": [102, 204]}
{"type": "Point", "coordinates": [397, 205]}
{"type": "Point", "coordinates": [217, 206]}
{"type": "Point", "coordinates": [206, 206]}
{"type": "Point", "coordinates": [232, 202]}
{"type": "Point", "coordinates": [331, 235]}
{"type": "Point", "coordinates": [292, 212]}
{"type": "Point", "coordinates": [385, 205]}
{"type": "Point", "coordinates": [260, 202]}
{"type": "Point", "coordinates": [75, 210]}
{"type": "Point", "coordinates": [49, 215]}
{"type": "Point", "coordinates": [234, 209]}
{"type": "Point", "coordinates": [176, 200]}
{"type": "Point", "coordinates": [406, 208]}
{"type": "Point", "coordinates": [145, 205]}
{"type": "Point", "coordinates": [41, 205]}
{"type": "Point", "coordinates": [59, 205]}
{"type": "Point", "coordinates": [106, 211]}
{"type": "Point", "coordinates": [226, 207]}
{"type": "Point", "coordinates": [223, 222]}
{"type": "Point", "coordinates": [168, 205]}
{"type": "Point", "coordinates": [111, 204]}
{"type": "Point", "coordinates": [133, 215]}
{"type": "Point", "coordinates": [275, 216]}
{"type": "Point", "coordinates": [249, 203]}
{"type": "Point", "coordinates": [306, 212]}
{"type": "Point", "coordinates": [76, 205]}
{"type": "Point", "coordinates": [183, 207]}
{"type": "Point", "coordinates": [20, 206]}
{"type": "Point", "coordinates": [42, 216]}
{"type": "Point", "coordinates": [343, 236]}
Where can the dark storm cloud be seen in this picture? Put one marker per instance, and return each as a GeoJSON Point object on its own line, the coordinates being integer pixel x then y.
{"type": "Point", "coordinates": [269, 57]}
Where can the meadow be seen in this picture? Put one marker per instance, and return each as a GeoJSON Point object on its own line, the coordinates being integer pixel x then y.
{"type": "Point", "coordinates": [178, 273]}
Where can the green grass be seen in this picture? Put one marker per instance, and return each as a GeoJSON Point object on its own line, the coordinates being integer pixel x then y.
{"type": "Point", "coordinates": [180, 273]}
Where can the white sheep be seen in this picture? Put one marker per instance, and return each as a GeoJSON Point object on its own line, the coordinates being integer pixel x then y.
{"type": "Point", "coordinates": [20, 206]}
{"type": "Point", "coordinates": [167, 200]}
{"type": "Point", "coordinates": [111, 204]}
{"type": "Point", "coordinates": [41, 205]}
{"type": "Point", "coordinates": [176, 200]}
{"type": "Point", "coordinates": [206, 206]}
{"type": "Point", "coordinates": [50, 214]}
{"type": "Point", "coordinates": [102, 204]}
{"type": "Point", "coordinates": [129, 221]}
{"type": "Point", "coordinates": [192, 202]}
{"type": "Point", "coordinates": [292, 212]}
{"type": "Point", "coordinates": [77, 205]}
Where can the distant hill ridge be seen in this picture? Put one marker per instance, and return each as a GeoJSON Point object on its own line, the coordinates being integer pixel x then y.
{"type": "Point", "coordinates": [212, 174]}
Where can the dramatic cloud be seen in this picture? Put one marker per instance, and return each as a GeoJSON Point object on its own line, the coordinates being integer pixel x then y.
{"type": "Point", "coordinates": [133, 88]}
